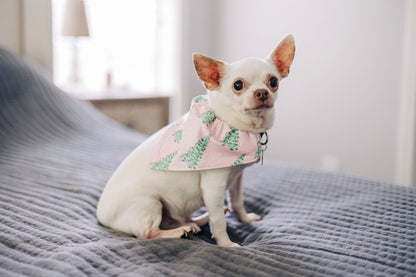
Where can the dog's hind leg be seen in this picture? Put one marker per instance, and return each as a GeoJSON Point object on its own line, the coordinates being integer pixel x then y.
{"type": "Point", "coordinates": [182, 231]}
{"type": "Point", "coordinates": [149, 215]}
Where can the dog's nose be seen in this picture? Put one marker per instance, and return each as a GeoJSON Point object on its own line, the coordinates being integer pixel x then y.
{"type": "Point", "coordinates": [261, 94]}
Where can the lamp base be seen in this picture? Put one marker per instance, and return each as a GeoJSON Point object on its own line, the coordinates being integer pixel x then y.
{"type": "Point", "coordinates": [74, 76]}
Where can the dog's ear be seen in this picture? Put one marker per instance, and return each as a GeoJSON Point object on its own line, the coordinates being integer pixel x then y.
{"type": "Point", "coordinates": [282, 56]}
{"type": "Point", "coordinates": [209, 70]}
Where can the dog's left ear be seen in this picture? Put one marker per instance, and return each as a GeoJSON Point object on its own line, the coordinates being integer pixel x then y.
{"type": "Point", "coordinates": [282, 56]}
{"type": "Point", "coordinates": [209, 71]}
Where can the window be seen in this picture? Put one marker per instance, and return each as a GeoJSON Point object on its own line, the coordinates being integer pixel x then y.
{"type": "Point", "coordinates": [131, 46]}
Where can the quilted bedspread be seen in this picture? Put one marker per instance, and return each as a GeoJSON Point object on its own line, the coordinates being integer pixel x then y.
{"type": "Point", "coordinates": [56, 154]}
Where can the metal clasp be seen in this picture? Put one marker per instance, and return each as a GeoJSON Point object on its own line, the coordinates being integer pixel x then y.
{"type": "Point", "coordinates": [263, 144]}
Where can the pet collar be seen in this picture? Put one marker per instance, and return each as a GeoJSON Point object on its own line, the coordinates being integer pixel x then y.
{"type": "Point", "coordinates": [200, 141]}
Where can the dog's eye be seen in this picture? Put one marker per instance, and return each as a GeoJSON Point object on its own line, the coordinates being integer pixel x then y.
{"type": "Point", "coordinates": [273, 82]}
{"type": "Point", "coordinates": [238, 85]}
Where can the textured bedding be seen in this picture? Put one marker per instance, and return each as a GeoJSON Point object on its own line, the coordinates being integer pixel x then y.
{"type": "Point", "coordinates": [56, 154]}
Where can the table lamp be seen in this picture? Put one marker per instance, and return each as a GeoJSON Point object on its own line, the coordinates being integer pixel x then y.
{"type": "Point", "coordinates": [75, 25]}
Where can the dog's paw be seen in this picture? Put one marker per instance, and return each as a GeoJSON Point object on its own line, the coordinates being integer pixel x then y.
{"type": "Point", "coordinates": [251, 217]}
{"type": "Point", "coordinates": [230, 244]}
{"type": "Point", "coordinates": [190, 229]}
{"type": "Point", "coordinates": [235, 245]}
{"type": "Point", "coordinates": [194, 228]}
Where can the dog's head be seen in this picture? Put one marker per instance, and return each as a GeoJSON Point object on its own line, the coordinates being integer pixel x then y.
{"type": "Point", "coordinates": [243, 93]}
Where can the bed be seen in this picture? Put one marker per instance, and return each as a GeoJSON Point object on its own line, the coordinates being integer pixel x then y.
{"type": "Point", "coordinates": [56, 154]}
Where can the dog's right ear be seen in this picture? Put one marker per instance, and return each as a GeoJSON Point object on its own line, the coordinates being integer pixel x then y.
{"type": "Point", "coordinates": [209, 70]}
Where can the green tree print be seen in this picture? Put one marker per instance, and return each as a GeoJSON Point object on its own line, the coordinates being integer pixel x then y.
{"type": "Point", "coordinates": [231, 139]}
{"type": "Point", "coordinates": [258, 149]}
{"type": "Point", "coordinates": [164, 163]}
{"type": "Point", "coordinates": [200, 99]}
{"type": "Point", "coordinates": [172, 126]}
{"type": "Point", "coordinates": [194, 155]}
{"type": "Point", "coordinates": [178, 136]}
{"type": "Point", "coordinates": [239, 160]}
{"type": "Point", "coordinates": [207, 117]}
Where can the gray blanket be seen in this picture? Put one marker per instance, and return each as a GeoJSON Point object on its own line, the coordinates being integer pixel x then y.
{"type": "Point", "coordinates": [56, 154]}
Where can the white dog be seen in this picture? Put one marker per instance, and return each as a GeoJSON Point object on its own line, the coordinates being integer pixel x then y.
{"type": "Point", "coordinates": [193, 161]}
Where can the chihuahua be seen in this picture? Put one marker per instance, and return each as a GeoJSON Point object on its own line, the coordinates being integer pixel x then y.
{"type": "Point", "coordinates": [195, 160]}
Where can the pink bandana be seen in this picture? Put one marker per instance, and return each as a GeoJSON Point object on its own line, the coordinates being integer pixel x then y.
{"type": "Point", "coordinates": [199, 141]}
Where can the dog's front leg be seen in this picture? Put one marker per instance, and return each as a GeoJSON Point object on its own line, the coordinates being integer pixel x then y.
{"type": "Point", "coordinates": [213, 185]}
{"type": "Point", "coordinates": [237, 202]}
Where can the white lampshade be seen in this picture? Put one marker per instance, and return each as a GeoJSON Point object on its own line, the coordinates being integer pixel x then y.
{"type": "Point", "coordinates": [75, 20]}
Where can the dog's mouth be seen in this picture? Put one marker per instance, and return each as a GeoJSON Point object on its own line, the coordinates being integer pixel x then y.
{"type": "Point", "coordinates": [259, 108]}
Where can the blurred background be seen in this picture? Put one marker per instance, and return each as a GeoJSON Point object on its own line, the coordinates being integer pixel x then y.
{"type": "Point", "coordinates": [348, 104]}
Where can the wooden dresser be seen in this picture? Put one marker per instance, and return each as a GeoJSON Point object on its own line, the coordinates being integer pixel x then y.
{"type": "Point", "coordinates": [142, 112]}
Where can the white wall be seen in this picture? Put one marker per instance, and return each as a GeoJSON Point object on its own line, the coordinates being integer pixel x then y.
{"type": "Point", "coordinates": [37, 32]}
{"type": "Point", "coordinates": [342, 97]}
{"type": "Point", "coordinates": [10, 25]}
{"type": "Point", "coordinates": [406, 143]}
{"type": "Point", "coordinates": [199, 27]}
{"type": "Point", "coordinates": [26, 29]}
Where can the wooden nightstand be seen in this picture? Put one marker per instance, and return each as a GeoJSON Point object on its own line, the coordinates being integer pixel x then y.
{"type": "Point", "coordinates": [144, 113]}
